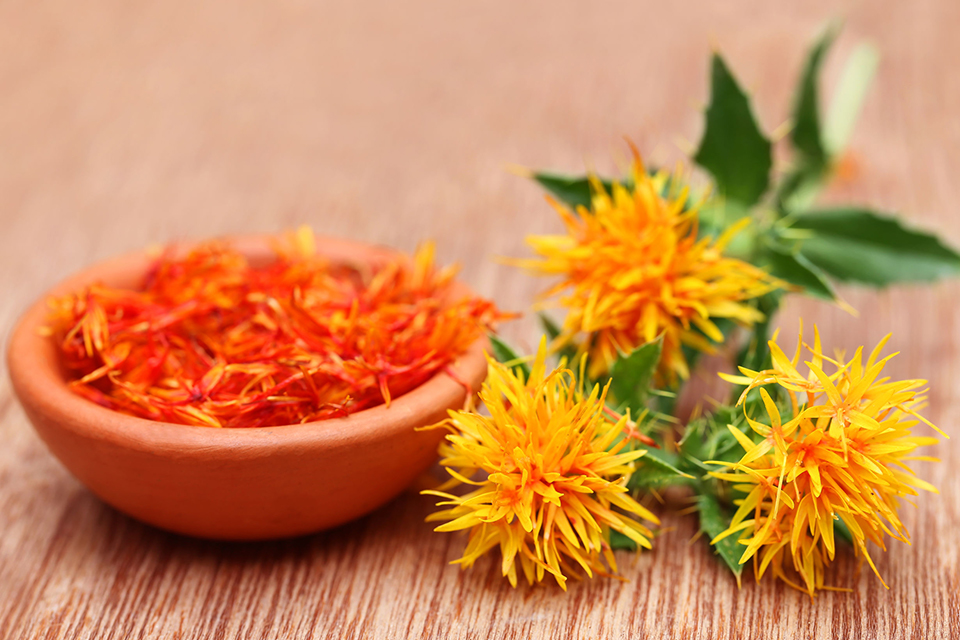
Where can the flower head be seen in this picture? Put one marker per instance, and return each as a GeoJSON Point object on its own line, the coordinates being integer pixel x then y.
{"type": "Point", "coordinates": [549, 467]}
{"type": "Point", "coordinates": [841, 455]}
{"type": "Point", "coordinates": [633, 268]}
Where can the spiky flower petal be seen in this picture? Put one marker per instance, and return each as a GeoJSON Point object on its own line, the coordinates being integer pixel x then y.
{"type": "Point", "coordinates": [550, 469]}
{"type": "Point", "coordinates": [633, 267]}
{"type": "Point", "coordinates": [839, 453]}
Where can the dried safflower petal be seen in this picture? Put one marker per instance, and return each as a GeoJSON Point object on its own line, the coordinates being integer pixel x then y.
{"type": "Point", "coordinates": [212, 340]}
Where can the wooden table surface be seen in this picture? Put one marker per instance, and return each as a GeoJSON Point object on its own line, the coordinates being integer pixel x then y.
{"type": "Point", "coordinates": [128, 124]}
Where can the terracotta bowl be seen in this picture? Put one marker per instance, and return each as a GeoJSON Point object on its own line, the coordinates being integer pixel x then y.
{"type": "Point", "coordinates": [236, 484]}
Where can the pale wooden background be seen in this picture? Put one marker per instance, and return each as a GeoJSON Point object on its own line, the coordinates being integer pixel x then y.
{"type": "Point", "coordinates": [124, 124]}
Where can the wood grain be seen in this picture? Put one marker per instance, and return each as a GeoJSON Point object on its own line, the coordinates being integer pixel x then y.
{"type": "Point", "coordinates": [123, 125]}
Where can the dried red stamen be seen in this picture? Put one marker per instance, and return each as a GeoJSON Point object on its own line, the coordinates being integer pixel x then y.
{"type": "Point", "coordinates": [211, 340]}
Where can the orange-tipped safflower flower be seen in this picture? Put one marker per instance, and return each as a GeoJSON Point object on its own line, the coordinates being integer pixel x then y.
{"type": "Point", "coordinates": [633, 268]}
{"type": "Point", "coordinates": [841, 456]}
{"type": "Point", "coordinates": [550, 467]}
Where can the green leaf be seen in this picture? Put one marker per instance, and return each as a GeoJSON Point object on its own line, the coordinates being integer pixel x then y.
{"type": "Point", "coordinates": [806, 135]}
{"type": "Point", "coordinates": [573, 191]}
{"type": "Point", "coordinates": [620, 541]}
{"type": "Point", "coordinates": [842, 531]}
{"type": "Point", "coordinates": [707, 438]}
{"type": "Point", "coordinates": [714, 521]}
{"type": "Point", "coordinates": [796, 269]}
{"type": "Point", "coordinates": [801, 185]}
{"type": "Point", "coordinates": [694, 439]}
{"type": "Point", "coordinates": [632, 376]}
{"type": "Point", "coordinates": [799, 188]}
{"type": "Point", "coordinates": [755, 354]}
{"type": "Point", "coordinates": [656, 469]}
{"type": "Point", "coordinates": [717, 215]}
{"type": "Point", "coordinates": [504, 353]}
{"type": "Point", "coordinates": [848, 98]}
{"type": "Point", "coordinates": [551, 328]}
{"type": "Point", "coordinates": [721, 445]}
{"type": "Point", "coordinates": [667, 404]}
{"type": "Point", "coordinates": [858, 245]}
{"type": "Point", "coordinates": [733, 149]}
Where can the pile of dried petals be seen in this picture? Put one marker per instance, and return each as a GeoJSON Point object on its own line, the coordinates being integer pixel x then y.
{"type": "Point", "coordinates": [212, 340]}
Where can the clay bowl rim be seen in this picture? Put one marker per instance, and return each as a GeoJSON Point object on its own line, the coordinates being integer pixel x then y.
{"type": "Point", "coordinates": [38, 379]}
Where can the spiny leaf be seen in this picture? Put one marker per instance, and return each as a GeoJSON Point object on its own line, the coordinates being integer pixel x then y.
{"type": "Point", "coordinates": [632, 375]}
{"type": "Point", "coordinates": [799, 188]}
{"type": "Point", "coordinates": [806, 135]}
{"type": "Point", "coordinates": [620, 541]}
{"type": "Point", "coordinates": [733, 149]}
{"type": "Point", "coordinates": [755, 354]}
{"type": "Point", "coordinates": [842, 531]}
{"type": "Point", "coordinates": [656, 469]}
{"type": "Point", "coordinates": [795, 268]}
{"type": "Point", "coordinates": [863, 246]}
{"type": "Point", "coordinates": [713, 522]}
{"type": "Point", "coordinates": [504, 353]}
{"type": "Point", "coordinates": [552, 329]}
{"type": "Point", "coordinates": [707, 438]}
{"type": "Point", "coordinates": [694, 438]}
{"type": "Point", "coordinates": [804, 181]}
{"type": "Point", "coordinates": [848, 97]}
{"type": "Point", "coordinates": [573, 191]}
{"type": "Point", "coordinates": [717, 215]}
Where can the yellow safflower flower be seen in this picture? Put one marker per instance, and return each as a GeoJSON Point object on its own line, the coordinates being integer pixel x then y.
{"type": "Point", "coordinates": [633, 268]}
{"type": "Point", "coordinates": [550, 466]}
{"type": "Point", "coordinates": [842, 456]}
